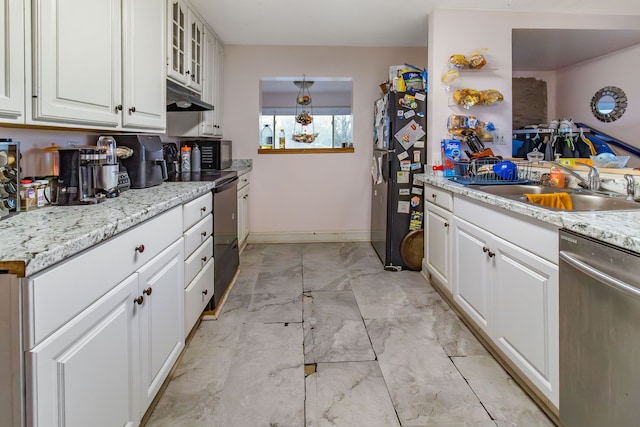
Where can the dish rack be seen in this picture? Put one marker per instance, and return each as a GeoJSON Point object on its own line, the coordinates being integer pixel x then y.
{"type": "Point", "coordinates": [480, 171]}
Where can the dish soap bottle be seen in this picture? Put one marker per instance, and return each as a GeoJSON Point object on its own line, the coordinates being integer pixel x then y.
{"type": "Point", "coordinates": [281, 139]}
{"type": "Point", "coordinates": [556, 176]}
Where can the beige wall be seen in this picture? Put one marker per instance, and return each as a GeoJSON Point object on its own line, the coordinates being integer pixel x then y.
{"type": "Point", "coordinates": [307, 196]}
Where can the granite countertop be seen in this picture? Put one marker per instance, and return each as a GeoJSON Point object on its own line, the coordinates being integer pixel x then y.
{"type": "Point", "coordinates": [241, 166]}
{"type": "Point", "coordinates": [619, 228]}
{"type": "Point", "coordinates": [32, 241]}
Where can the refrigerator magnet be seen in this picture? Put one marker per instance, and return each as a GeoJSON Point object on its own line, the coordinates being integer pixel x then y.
{"type": "Point", "coordinates": [405, 165]}
{"type": "Point", "coordinates": [400, 114]}
{"type": "Point", "coordinates": [415, 220]}
{"type": "Point", "coordinates": [404, 192]}
{"type": "Point", "coordinates": [415, 201]}
{"type": "Point", "coordinates": [402, 177]}
{"type": "Point", "coordinates": [409, 114]}
{"type": "Point", "coordinates": [404, 207]}
{"type": "Point", "coordinates": [419, 144]}
{"type": "Point", "coordinates": [416, 155]}
{"type": "Point", "coordinates": [416, 190]}
{"type": "Point", "coordinates": [420, 96]}
{"type": "Point", "coordinates": [416, 166]}
{"type": "Point", "coordinates": [403, 155]}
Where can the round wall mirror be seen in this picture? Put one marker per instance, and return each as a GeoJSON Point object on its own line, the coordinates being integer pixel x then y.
{"type": "Point", "coordinates": [609, 104]}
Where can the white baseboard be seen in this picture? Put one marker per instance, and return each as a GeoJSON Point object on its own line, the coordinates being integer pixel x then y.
{"type": "Point", "coordinates": [309, 237]}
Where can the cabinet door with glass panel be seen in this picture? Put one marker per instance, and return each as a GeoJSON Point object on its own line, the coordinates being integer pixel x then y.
{"type": "Point", "coordinates": [185, 45]}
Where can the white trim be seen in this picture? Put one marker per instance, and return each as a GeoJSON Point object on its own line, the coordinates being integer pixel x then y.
{"type": "Point", "coordinates": [311, 236]}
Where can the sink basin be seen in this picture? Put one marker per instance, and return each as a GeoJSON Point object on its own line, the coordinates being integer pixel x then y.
{"type": "Point", "coordinates": [516, 189]}
{"type": "Point", "coordinates": [583, 200]}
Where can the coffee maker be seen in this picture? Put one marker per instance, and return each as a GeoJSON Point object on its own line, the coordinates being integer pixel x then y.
{"type": "Point", "coordinates": [77, 179]}
{"type": "Point", "coordinates": [108, 170]}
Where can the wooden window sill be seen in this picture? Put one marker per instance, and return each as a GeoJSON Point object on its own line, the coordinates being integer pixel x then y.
{"type": "Point", "coordinates": [304, 150]}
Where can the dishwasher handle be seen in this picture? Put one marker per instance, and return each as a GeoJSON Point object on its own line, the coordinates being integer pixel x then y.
{"type": "Point", "coordinates": [600, 276]}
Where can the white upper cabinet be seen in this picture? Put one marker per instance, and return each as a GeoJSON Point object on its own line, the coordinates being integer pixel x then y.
{"type": "Point", "coordinates": [77, 48]}
{"type": "Point", "coordinates": [219, 89]}
{"type": "Point", "coordinates": [211, 124]}
{"type": "Point", "coordinates": [144, 86]}
{"type": "Point", "coordinates": [12, 61]}
{"type": "Point", "coordinates": [98, 64]}
{"type": "Point", "coordinates": [185, 45]}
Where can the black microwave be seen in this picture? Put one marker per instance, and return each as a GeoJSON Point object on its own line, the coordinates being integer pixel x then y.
{"type": "Point", "coordinates": [215, 154]}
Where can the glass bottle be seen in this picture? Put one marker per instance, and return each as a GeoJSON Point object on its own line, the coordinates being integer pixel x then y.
{"type": "Point", "coordinates": [281, 139]}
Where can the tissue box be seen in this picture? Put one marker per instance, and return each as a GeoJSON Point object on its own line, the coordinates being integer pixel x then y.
{"type": "Point", "coordinates": [450, 149]}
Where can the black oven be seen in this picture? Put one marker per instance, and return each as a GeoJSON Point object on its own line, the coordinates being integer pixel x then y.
{"type": "Point", "coordinates": [215, 154]}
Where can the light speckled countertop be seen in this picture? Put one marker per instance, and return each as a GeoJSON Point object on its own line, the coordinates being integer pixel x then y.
{"type": "Point", "coordinates": [619, 228]}
{"type": "Point", "coordinates": [32, 241]}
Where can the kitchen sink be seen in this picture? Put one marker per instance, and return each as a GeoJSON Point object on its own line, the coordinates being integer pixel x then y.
{"type": "Point", "coordinates": [583, 200]}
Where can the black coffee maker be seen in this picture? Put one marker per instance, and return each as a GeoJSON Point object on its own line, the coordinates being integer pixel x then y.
{"type": "Point", "coordinates": [77, 178]}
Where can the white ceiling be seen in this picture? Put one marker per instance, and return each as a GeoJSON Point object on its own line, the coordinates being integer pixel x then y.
{"type": "Point", "coordinates": [362, 22]}
{"type": "Point", "coordinates": [548, 50]}
{"type": "Point", "coordinates": [383, 23]}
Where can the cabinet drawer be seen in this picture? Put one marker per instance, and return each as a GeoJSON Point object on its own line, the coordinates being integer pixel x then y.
{"type": "Point", "coordinates": [194, 263]}
{"type": "Point", "coordinates": [243, 181]}
{"type": "Point", "coordinates": [197, 234]}
{"type": "Point", "coordinates": [57, 294]}
{"type": "Point", "coordinates": [195, 210]}
{"type": "Point", "coordinates": [438, 197]}
{"type": "Point", "coordinates": [197, 295]}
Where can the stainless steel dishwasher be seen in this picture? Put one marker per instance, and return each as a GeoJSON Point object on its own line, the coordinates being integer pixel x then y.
{"type": "Point", "coordinates": [599, 333]}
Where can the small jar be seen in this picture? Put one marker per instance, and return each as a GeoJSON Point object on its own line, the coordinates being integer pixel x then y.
{"type": "Point", "coordinates": [41, 197]}
{"type": "Point", "coordinates": [27, 195]}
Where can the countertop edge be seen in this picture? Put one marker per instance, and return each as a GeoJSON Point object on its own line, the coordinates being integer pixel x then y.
{"type": "Point", "coordinates": [618, 228]}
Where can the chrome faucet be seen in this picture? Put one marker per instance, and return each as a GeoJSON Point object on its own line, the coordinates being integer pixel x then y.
{"type": "Point", "coordinates": [593, 178]}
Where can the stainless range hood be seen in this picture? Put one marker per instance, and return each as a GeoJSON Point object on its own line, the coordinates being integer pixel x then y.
{"type": "Point", "coordinates": [182, 99]}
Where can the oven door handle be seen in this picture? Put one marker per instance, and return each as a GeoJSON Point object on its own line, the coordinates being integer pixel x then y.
{"type": "Point", "coordinates": [225, 185]}
{"type": "Point", "coordinates": [601, 277]}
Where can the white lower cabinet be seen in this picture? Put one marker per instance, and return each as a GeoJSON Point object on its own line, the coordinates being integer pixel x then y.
{"type": "Point", "coordinates": [198, 258]}
{"type": "Point", "coordinates": [438, 225]}
{"type": "Point", "coordinates": [509, 290]}
{"type": "Point", "coordinates": [472, 277]}
{"type": "Point", "coordinates": [92, 360]}
{"type": "Point", "coordinates": [161, 318]}
{"type": "Point", "coordinates": [243, 210]}
{"type": "Point", "coordinates": [525, 316]}
{"type": "Point", "coordinates": [108, 353]}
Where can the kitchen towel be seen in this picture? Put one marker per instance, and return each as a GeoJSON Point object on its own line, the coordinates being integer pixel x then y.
{"type": "Point", "coordinates": [554, 200]}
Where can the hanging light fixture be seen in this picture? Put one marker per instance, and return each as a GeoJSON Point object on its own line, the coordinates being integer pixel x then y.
{"type": "Point", "coordinates": [304, 130]}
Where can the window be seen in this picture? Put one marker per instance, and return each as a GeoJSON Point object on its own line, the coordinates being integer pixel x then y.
{"type": "Point", "coordinates": [334, 131]}
{"type": "Point", "coordinates": [329, 108]}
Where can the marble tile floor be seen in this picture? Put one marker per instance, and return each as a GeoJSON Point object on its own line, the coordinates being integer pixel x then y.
{"type": "Point", "coordinates": [319, 334]}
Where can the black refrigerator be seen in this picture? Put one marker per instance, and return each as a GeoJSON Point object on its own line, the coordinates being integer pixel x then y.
{"type": "Point", "coordinates": [397, 208]}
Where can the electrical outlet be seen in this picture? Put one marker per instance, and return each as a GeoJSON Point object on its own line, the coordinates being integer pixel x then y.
{"type": "Point", "coordinates": [498, 137]}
